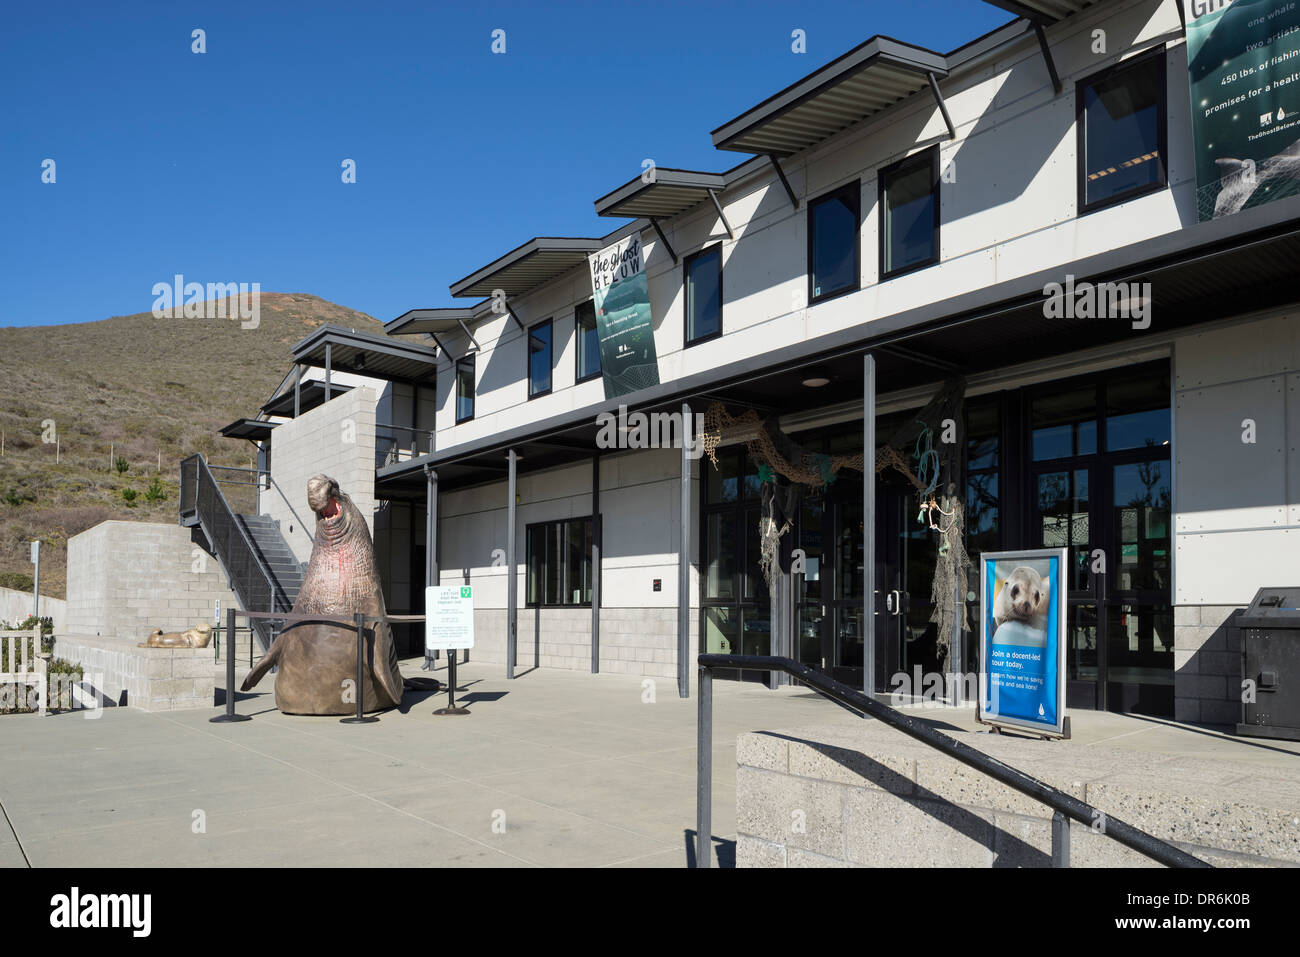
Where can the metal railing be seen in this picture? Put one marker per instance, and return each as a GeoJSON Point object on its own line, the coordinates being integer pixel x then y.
{"type": "Point", "coordinates": [1063, 805]}
{"type": "Point", "coordinates": [263, 479]}
{"type": "Point", "coordinates": [250, 578]}
{"type": "Point", "coordinates": [398, 443]}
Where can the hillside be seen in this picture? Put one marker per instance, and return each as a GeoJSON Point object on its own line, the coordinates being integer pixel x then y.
{"type": "Point", "coordinates": [147, 388]}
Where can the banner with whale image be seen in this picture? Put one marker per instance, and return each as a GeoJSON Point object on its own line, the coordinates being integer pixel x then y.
{"type": "Point", "coordinates": [1022, 639]}
{"type": "Point", "coordinates": [624, 325]}
{"type": "Point", "coordinates": [1243, 69]}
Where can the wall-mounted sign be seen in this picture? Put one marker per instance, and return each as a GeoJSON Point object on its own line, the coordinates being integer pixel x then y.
{"type": "Point", "coordinates": [1022, 639]}
{"type": "Point", "coordinates": [1243, 68]}
{"type": "Point", "coordinates": [658, 584]}
{"type": "Point", "coordinates": [624, 326]}
{"type": "Point", "coordinates": [448, 617]}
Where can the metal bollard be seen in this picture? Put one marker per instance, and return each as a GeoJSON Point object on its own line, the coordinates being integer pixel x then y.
{"type": "Point", "coordinates": [1060, 840]}
{"type": "Point", "coordinates": [451, 688]}
{"type": "Point", "coordinates": [230, 674]}
{"type": "Point", "coordinates": [704, 772]}
{"type": "Point", "coordinates": [361, 646]}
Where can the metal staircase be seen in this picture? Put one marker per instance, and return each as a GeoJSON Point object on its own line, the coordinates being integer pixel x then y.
{"type": "Point", "coordinates": [258, 563]}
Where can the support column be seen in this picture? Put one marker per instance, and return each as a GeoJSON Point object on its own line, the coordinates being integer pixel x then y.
{"type": "Point", "coordinates": [512, 586]}
{"type": "Point", "coordinates": [869, 523]}
{"type": "Point", "coordinates": [297, 390]}
{"type": "Point", "coordinates": [684, 563]}
{"type": "Point", "coordinates": [329, 369]}
{"type": "Point", "coordinates": [432, 573]}
{"type": "Point", "coordinates": [595, 564]}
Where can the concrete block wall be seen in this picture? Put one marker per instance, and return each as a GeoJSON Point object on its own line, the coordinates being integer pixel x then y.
{"type": "Point", "coordinates": [15, 606]}
{"type": "Point", "coordinates": [866, 797]}
{"type": "Point", "coordinates": [633, 641]}
{"type": "Point", "coordinates": [127, 578]}
{"type": "Point", "coordinates": [1207, 664]}
{"type": "Point", "coordinates": [336, 439]}
{"type": "Point", "coordinates": [151, 679]}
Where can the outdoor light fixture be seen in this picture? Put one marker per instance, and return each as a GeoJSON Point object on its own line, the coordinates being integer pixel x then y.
{"type": "Point", "coordinates": [816, 381]}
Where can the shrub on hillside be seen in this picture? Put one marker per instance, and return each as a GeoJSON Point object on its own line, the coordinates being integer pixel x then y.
{"type": "Point", "coordinates": [128, 496]}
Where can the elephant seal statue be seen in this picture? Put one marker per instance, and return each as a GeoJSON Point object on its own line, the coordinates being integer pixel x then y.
{"type": "Point", "coordinates": [317, 661]}
{"type": "Point", "coordinates": [196, 637]}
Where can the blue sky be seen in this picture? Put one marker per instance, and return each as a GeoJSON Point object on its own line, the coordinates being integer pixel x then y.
{"type": "Point", "coordinates": [225, 166]}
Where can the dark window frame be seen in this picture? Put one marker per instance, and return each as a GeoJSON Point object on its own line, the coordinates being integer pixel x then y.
{"type": "Point", "coordinates": [590, 520]}
{"type": "Point", "coordinates": [528, 358]}
{"type": "Point", "coordinates": [578, 377]}
{"type": "Point", "coordinates": [851, 191]}
{"type": "Point", "coordinates": [927, 157]}
{"type": "Point", "coordinates": [1162, 132]}
{"type": "Point", "coordinates": [465, 360]}
{"type": "Point", "coordinates": [687, 341]}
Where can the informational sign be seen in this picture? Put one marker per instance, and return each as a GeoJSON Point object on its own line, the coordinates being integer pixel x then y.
{"type": "Point", "coordinates": [1022, 639]}
{"type": "Point", "coordinates": [1243, 68]}
{"type": "Point", "coordinates": [448, 617]}
{"type": "Point", "coordinates": [624, 326]}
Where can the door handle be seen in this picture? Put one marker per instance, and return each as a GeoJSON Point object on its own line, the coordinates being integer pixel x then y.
{"type": "Point", "coordinates": [893, 602]}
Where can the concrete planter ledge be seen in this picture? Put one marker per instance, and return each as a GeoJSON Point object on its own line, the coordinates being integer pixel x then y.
{"type": "Point", "coordinates": [867, 796]}
{"type": "Point", "coordinates": [151, 679]}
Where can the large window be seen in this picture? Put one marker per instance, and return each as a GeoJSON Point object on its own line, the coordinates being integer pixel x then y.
{"type": "Point", "coordinates": [465, 389]}
{"type": "Point", "coordinates": [539, 359]}
{"type": "Point", "coordinates": [703, 272]}
{"type": "Point", "coordinates": [1121, 121]}
{"type": "Point", "coordinates": [909, 214]}
{"type": "Point", "coordinates": [833, 243]}
{"type": "Point", "coordinates": [584, 321]}
{"type": "Point", "coordinates": [559, 562]}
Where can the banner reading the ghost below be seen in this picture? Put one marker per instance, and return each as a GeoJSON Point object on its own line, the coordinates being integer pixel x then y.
{"type": "Point", "coordinates": [1243, 68]}
{"type": "Point", "coordinates": [624, 326]}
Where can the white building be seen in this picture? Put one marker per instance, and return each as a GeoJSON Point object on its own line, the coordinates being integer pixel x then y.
{"type": "Point", "coordinates": [904, 222]}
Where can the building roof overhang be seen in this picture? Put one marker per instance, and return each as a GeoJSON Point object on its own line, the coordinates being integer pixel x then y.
{"type": "Point", "coordinates": [376, 357]}
{"type": "Point", "coordinates": [311, 394]}
{"type": "Point", "coordinates": [526, 267]}
{"type": "Point", "coordinates": [670, 192]}
{"type": "Point", "coordinates": [1044, 11]}
{"type": "Point", "coordinates": [871, 77]}
{"type": "Point", "coordinates": [255, 430]}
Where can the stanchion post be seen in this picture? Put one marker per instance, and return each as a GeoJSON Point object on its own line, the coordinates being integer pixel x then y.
{"type": "Point", "coordinates": [451, 687]}
{"type": "Point", "coordinates": [230, 674]}
{"type": "Point", "coordinates": [360, 718]}
{"type": "Point", "coordinates": [704, 771]}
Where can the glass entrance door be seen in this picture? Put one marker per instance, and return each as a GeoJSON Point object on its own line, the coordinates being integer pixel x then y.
{"type": "Point", "coordinates": [1100, 486]}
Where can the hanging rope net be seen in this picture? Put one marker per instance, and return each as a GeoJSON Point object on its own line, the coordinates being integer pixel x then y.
{"type": "Point", "coordinates": [786, 469]}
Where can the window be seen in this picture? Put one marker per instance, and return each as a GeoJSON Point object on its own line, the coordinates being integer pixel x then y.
{"type": "Point", "coordinates": [539, 359]}
{"type": "Point", "coordinates": [703, 281]}
{"type": "Point", "coordinates": [909, 214]}
{"type": "Point", "coordinates": [834, 255]}
{"type": "Point", "coordinates": [1121, 122]}
{"type": "Point", "coordinates": [559, 562]}
{"type": "Point", "coordinates": [584, 319]}
{"type": "Point", "coordinates": [464, 389]}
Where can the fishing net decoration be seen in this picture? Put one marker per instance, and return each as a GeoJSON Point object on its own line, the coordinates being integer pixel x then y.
{"type": "Point", "coordinates": [781, 458]}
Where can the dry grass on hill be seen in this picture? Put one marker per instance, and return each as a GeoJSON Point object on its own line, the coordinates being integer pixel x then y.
{"type": "Point", "coordinates": [148, 388]}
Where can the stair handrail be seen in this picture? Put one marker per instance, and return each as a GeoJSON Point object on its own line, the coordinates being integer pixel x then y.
{"type": "Point", "coordinates": [264, 473]}
{"type": "Point", "coordinates": [203, 482]}
{"type": "Point", "coordinates": [1062, 804]}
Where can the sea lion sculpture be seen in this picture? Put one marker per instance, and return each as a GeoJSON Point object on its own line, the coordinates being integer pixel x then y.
{"type": "Point", "coordinates": [196, 637]}
{"type": "Point", "coordinates": [318, 662]}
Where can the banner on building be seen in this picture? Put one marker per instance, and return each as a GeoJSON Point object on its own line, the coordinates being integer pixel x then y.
{"type": "Point", "coordinates": [1243, 69]}
{"type": "Point", "coordinates": [624, 325]}
{"type": "Point", "coordinates": [448, 617]}
{"type": "Point", "coordinates": [1022, 639]}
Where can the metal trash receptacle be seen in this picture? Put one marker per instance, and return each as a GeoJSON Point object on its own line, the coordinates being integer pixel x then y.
{"type": "Point", "coordinates": [1270, 657]}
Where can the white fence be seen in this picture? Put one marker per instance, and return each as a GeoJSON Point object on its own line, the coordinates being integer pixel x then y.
{"type": "Point", "coordinates": [22, 664]}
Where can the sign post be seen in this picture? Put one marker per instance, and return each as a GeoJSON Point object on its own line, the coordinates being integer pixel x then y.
{"type": "Point", "coordinates": [1022, 641]}
{"type": "Point", "coordinates": [449, 627]}
{"type": "Point", "coordinates": [36, 581]}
